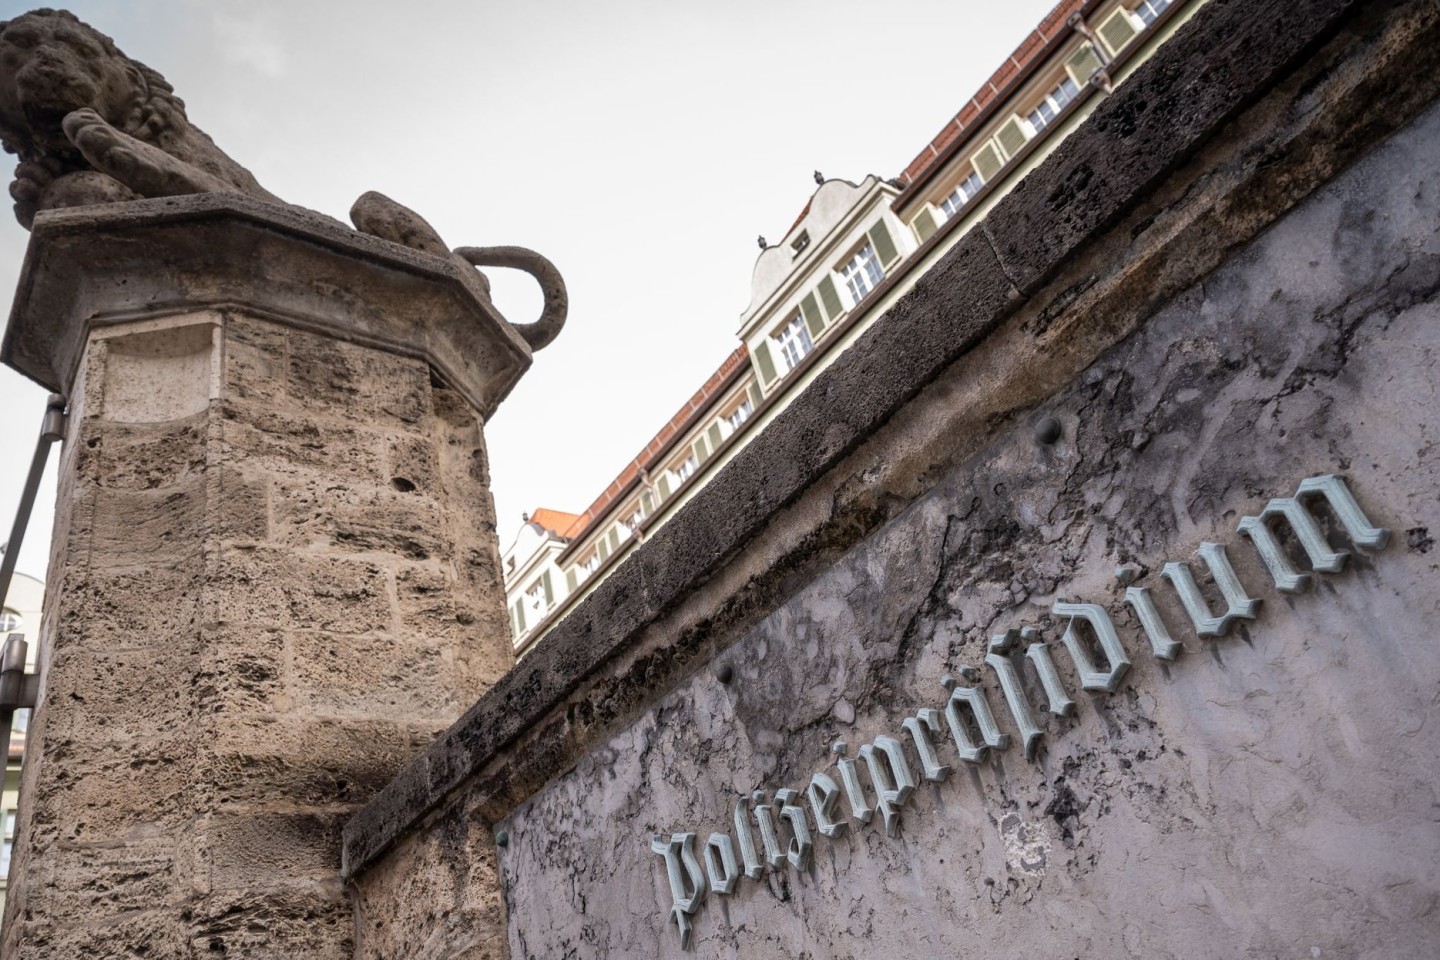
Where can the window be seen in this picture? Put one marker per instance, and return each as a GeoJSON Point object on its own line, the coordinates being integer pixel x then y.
{"type": "Point", "coordinates": [1052, 103]}
{"type": "Point", "coordinates": [632, 523]}
{"type": "Point", "coordinates": [535, 597]}
{"type": "Point", "coordinates": [794, 342]}
{"type": "Point", "coordinates": [9, 620]}
{"type": "Point", "coordinates": [798, 245]}
{"type": "Point", "coordinates": [686, 468]}
{"type": "Point", "coordinates": [591, 563]}
{"type": "Point", "coordinates": [961, 195]}
{"type": "Point", "coordinates": [1150, 10]}
{"type": "Point", "coordinates": [739, 415]}
{"type": "Point", "coordinates": [9, 843]}
{"type": "Point", "coordinates": [862, 272]}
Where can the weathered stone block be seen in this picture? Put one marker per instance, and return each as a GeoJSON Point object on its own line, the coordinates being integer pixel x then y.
{"type": "Point", "coordinates": [109, 792]}
{"type": "Point", "coordinates": [145, 933]}
{"type": "Point", "coordinates": [123, 703]}
{"type": "Point", "coordinates": [256, 360]}
{"type": "Point", "coordinates": [240, 670]}
{"type": "Point", "coordinates": [279, 853]}
{"type": "Point", "coordinates": [107, 609]}
{"type": "Point", "coordinates": [118, 879]}
{"type": "Point", "coordinates": [413, 465]}
{"type": "Point", "coordinates": [350, 382]}
{"type": "Point", "coordinates": [168, 523]}
{"type": "Point", "coordinates": [140, 456]}
{"type": "Point", "coordinates": [287, 444]}
{"type": "Point", "coordinates": [415, 890]}
{"type": "Point", "coordinates": [295, 759]}
{"type": "Point", "coordinates": [315, 925]}
{"type": "Point", "coordinates": [357, 673]}
{"type": "Point", "coordinates": [360, 518]}
{"type": "Point", "coordinates": [279, 589]}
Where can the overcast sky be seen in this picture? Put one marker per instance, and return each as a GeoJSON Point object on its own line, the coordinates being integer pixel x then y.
{"type": "Point", "coordinates": [641, 145]}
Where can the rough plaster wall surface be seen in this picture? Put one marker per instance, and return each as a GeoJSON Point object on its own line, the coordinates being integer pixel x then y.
{"type": "Point", "coordinates": [1272, 793]}
{"type": "Point", "coordinates": [275, 579]}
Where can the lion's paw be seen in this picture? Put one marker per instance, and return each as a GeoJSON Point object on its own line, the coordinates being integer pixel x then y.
{"type": "Point", "coordinates": [140, 166]}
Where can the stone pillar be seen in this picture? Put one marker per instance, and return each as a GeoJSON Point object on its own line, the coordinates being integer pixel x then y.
{"type": "Point", "coordinates": [275, 574]}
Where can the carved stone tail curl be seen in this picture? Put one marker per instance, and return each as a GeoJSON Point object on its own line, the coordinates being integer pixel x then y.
{"type": "Point", "coordinates": [552, 288]}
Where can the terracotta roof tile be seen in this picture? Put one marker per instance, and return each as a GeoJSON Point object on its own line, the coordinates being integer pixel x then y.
{"type": "Point", "coordinates": [555, 521]}
{"type": "Point", "coordinates": [1054, 28]}
{"type": "Point", "coordinates": [697, 404]}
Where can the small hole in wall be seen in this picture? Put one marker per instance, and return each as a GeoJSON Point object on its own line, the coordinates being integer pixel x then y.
{"type": "Point", "coordinates": [402, 484]}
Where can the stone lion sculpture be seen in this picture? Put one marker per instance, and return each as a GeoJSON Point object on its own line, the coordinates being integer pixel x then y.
{"type": "Point", "coordinates": [90, 125]}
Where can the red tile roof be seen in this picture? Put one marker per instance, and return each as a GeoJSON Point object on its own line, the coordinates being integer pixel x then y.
{"type": "Point", "coordinates": [647, 458]}
{"type": "Point", "coordinates": [1032, 51]}
{"type": "Point", "coordinates": [555, 521]}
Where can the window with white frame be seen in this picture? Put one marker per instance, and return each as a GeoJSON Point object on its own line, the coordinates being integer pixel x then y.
{"type": "Point", "coordinates": [686, 468]}
{"type": "Point", "coordinates": [1150, 10]}
{"type": "Point", "coordinates": [535, 597]}
{"type": "Point", "coordinates": [862, 272]}
{"type": "Point", "coordinates": [962, 194]}
{"type": "Point", "coordinates": [794, 342]}
{"type": "Point", "coordinates": [633, 521]}
{"type": "Point", "coordinates": [9, 843]}
{"type": "Point", "coordinates": [739, 415]}
{"type": "Point", "coordinates": [591, 563]}
{"type": "Point", "coordinates": [1053, 102]}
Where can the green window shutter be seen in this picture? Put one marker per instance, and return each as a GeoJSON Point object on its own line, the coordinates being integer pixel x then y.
{"type": "Point", "coordinates": [1082, 64]}
{"type": "Point", "coordinates": [1011, 136]}
{"type": "Point", "coordinates": [702, 452]}
{"type": "Point", "coordinates": [714, 434]}
{"type": "Point", "coordinates": [664, 486]}
{"type": "Point", "coordinates": [519, 617]}
{"type": "Point", "coordinates": [604, 549]}
{"type": "Point", "coordinates": [764, 363]}
{"type": "Point", "coordinates": [987, 161]}
{"type": "Point", "coordinates": [1117, 30]}
{"type": "Point", "coordinates": [647, 502]}
{"type": "Point", "coordinates": [549, 592]}
{"type": "Point", "coordinates": [829, 297]}
{"type": "Point", "coordinates": [884, 246]}
{"type": "Point", "coordinates": [571, 581]}
{"type": "Point", "coordinates": [925, 225]}
{"type": "Point", "coordinates": [813, 321]}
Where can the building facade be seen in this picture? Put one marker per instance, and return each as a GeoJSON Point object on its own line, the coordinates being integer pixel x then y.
{"type": "Point", "coordinates": [20, 614]}
{"type": "Point", "coordinates": [852, 252]}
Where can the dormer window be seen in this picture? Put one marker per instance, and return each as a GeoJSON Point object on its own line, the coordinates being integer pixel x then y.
{"type": "Point", "coordinates": [1150, 10]}
{"type": "Point", "coordinates": [1052, 103]}
{"type": "Point", "coordinates": [798, 245]}
{"type": "Point", "coordinates": [862, 272]}
{"type": "Point", "coordinates": [961, 195]}
{"type": "Point", "coordinates": [794, 342]}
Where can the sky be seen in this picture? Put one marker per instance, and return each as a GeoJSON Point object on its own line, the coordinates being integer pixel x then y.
{"type": "Point", "coordinates": [641, 145]}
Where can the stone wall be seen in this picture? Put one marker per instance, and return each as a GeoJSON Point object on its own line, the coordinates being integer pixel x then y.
{"type": "Point", "coordinates": [1269, 792]}
{"type": "Point", "coordinates": [275, 580]}
{"type": "Point", "coordinates": [1222, 284]}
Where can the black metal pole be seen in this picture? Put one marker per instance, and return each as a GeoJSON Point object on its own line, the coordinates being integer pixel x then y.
{"type": "Point", "coordinates": [52, 428]}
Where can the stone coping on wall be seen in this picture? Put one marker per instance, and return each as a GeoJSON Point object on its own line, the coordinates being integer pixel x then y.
{"type": "Point", "coordinates": [118, 262]}
{"type": "Point", "coordinates": [1230, 56]}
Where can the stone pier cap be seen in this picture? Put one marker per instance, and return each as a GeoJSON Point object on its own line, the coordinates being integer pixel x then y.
{"type": "Point", "coordinates": [88, 267]}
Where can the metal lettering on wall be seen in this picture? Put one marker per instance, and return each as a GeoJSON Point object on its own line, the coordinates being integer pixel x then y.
{"type": "Point", "coordinates": [970, 720]}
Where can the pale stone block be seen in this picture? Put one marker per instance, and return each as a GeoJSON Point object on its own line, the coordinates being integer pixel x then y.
{"type": "Point", "coordinates": [160, 370]}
